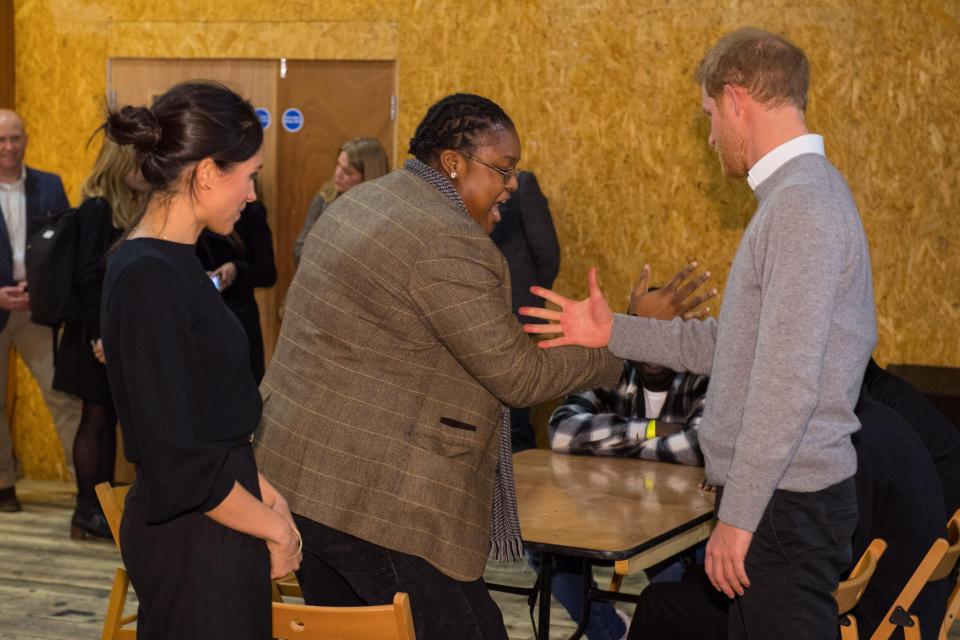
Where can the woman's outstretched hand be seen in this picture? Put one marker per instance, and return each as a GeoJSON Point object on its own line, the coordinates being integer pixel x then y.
{"type": "Point", "coordinates": [585, 323]}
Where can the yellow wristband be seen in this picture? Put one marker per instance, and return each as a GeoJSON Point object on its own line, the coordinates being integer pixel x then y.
{"type": "Point", "coordinates": [651, 429]}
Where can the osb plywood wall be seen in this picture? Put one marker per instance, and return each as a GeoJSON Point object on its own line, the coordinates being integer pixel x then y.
{"type": "Point", "coordinates": [602, 94]}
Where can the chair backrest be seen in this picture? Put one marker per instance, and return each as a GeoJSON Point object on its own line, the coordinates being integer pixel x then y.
{"type": "Point", "coordinates": [953, 602]}
{"type": "Point", "coordinates": [111, 501]}
{"type": "Point", "coordinates": [899, 613]}
{"type": "Point", "coordinates": [116, 626]}
{"type": "Point", "coordinates": [382, 622]}
{"type": "Point", "coordinates": [850, 591]}
{"type": "Point", "coordinates": [945, 568]}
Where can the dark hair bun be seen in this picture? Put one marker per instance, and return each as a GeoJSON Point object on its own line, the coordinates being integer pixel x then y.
{"type": "Point", "coordinates": [191, 121]}
{"type": "Point", "coordinates": [135, 126]}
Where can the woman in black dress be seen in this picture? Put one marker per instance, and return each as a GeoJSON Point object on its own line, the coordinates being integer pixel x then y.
{"type": "Point", "coordinates": [198, 514]}
{"type": "Point", "coordinates": [111, 199]}
{"type": "Point", "coordinates": [239, 262]}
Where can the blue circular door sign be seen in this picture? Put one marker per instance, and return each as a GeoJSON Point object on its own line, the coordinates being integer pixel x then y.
{"type": "Point", "coordinates": [263, 115]}
{"type": "Point", "coordinates": [292, 120]}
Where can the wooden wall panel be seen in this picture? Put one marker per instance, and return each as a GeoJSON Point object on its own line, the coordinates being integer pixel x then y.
{"type": "Point", "coordinates": [602, 94]}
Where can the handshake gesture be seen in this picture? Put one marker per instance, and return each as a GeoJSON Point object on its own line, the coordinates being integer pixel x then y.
{"type": "Point", "coordinates": [587, 323]}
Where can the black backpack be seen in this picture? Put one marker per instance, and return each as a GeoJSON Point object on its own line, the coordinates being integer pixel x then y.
{"type": "Point", "coordinates": [51, 259]}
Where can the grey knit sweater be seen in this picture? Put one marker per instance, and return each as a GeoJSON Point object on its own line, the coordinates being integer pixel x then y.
{"type": "Point", "coordinates": [787, 356]}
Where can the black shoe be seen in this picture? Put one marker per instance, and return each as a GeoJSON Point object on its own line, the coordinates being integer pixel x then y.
{"type": "Point", "coordinates": [89, 523]}
{"type": "Point", "coordinates": [8, 500]}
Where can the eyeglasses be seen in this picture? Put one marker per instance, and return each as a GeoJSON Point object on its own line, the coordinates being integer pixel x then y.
{"type": "Point", "coordinates": [506, 173]}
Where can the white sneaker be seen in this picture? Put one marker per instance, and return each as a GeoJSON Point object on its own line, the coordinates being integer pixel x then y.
{"type": "Point", "coordinates": [626, 621]}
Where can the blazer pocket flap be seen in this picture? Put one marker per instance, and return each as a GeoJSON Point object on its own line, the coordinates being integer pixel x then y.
{"type": "Point", "coordinates": [456, 424]}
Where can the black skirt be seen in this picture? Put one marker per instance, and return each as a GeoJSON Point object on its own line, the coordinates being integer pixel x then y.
{"type": "Point", "coordinates": [194, 577]}
{"type": "Point", "coordinates": [77, 372]}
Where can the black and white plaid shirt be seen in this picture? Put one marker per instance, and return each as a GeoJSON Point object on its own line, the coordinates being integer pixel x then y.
{"type": "Point", "coordinates": [613, 422]}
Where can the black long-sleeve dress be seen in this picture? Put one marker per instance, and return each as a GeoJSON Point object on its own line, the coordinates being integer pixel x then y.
{"type": "Point", "coordinates": [188, 404]}
{"type": "Point", "coordinates": [77, 371]}
{"type": "Point", "coordinates": [253, 256]}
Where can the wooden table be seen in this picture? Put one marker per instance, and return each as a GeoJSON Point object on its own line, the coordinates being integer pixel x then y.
{"type": "Point", "coordinates": [635, 513]}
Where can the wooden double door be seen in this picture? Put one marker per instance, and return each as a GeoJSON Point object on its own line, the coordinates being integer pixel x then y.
{"type": "Point", "coordinates": [336, 101]}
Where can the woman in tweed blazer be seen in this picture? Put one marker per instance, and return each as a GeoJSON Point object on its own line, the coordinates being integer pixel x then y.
{"type": "Point", "coordinates": [398, 349]}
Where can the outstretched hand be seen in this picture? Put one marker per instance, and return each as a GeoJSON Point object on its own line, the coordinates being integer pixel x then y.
{"type": "Point", "coordinates": [586, 323]}
{"type": "Point", "coordinates": [675, 299]}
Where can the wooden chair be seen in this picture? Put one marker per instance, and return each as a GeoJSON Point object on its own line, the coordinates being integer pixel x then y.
{"type": "Point", "coordinates": [287, 586]}
{"type": "Point", "coordinates": [383, 622]}
{"type": "Point", "coordinates": [116, 626]}
{"type": "Point", "coordinates": [850, 591]}
{"type": "Point", "coordinates": [898, 616]}
{"type": "Point", "coordinates": [936, 565]}
{"type": "Point", "coordinates": [946, 567]}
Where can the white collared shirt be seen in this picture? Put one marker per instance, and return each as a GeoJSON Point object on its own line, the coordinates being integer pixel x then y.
{"type": "Point", "coordinates": [13, 203]}
{"type": "Point", "coordinates": [765, 166]}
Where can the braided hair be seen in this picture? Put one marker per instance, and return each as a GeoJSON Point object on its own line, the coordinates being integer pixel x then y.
{"type": "Point", "coordinates": [456, 122]}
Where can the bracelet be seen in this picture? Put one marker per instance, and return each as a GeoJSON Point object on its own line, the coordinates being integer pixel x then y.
{"type": "Point", "coordinates": [300, 547]}
{"type": "Point", "coordinates": [651, 429]}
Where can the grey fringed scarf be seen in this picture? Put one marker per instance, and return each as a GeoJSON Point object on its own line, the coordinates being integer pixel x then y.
{"type": "Point", "coordinates": [505, 541]}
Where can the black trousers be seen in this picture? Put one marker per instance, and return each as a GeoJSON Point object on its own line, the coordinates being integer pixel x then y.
{"type": "Point", "coordinates": [796, 558]}
{"type": "Point", "coordinates": [339, 569]}
{"type": "Point", "coordinates": [522, 436]}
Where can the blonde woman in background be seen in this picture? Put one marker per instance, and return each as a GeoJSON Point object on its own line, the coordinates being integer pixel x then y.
{"type": "Point", "coordinates": [113, 195]}
{"type": "Point", "coordinates": [359, 160]}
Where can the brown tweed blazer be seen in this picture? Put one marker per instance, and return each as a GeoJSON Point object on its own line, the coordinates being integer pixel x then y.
{"type": "Point", "coordinates": [398, 347]}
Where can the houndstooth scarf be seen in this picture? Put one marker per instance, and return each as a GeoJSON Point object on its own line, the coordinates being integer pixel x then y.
{"type": "Point", "coordinates": [505, 541]}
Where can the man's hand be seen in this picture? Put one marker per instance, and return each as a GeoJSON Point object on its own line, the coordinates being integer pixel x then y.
{"type": "Point", "coordinates": [14, 298]}
{"type": "Point", "coordinates": [726, 551]}
{"type": "Point", "coordinates": [586, 323]}
{"type": "Point", "coordinates": [672, 300]}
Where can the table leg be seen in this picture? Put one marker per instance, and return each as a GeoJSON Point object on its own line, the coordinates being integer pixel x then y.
{"type": "Point", "coordinates": [586, 600]}
{"type": "Point", "coordinates": [546, 577]}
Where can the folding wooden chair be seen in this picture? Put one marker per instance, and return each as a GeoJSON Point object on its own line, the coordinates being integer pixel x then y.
{"type": "Point", "coordinates": [383, 622]}
{"type": "Point", "coordinates": [936, 565]}
{"type": "Point", "coordinates": [287, 586]}
{"type": "Point", "coordinates": [850, 591]}
{"type": "Point", "coordinates": [115, 627]}
{"type": "Point", "coordinates": [898, 615]}
{"type": "Point", "coordinates": [945, 569]}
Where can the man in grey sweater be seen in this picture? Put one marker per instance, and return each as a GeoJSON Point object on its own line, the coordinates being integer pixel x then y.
{"type": "Point", "coordinates": [786, 357]}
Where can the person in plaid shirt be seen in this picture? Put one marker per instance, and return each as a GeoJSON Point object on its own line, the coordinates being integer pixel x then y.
{"type": "Point", "coordinates": [653, 413]}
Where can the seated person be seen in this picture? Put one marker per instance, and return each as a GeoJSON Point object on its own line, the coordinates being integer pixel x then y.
{"type": "Point", "coordinates": [652, 413]}
{"type": "Point", "coordinates": [893, 471]}
{"type": "Point", "coordinates": [940, 437]}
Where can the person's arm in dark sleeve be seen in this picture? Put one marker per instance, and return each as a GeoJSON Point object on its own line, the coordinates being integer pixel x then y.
{"type": "Point", "coordinates": [181, 472]}
{"type": "Point", "coordinates": [314, 211]}
{"type": "Point", "coordinates": [539, 230]}
{"type": "Point", "coordinates": [61, 200]}
{"type": "Point", "coordinates": [95, 231]}
{"type": "Point", "coordinates": [259, 269]}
